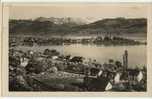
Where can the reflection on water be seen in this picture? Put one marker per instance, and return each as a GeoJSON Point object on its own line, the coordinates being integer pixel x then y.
{"type": "Point", "coordinates": [136, 54]}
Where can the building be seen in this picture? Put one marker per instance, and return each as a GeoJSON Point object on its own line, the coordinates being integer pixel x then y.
{"type": "Point", "coordinates": [125, 60]}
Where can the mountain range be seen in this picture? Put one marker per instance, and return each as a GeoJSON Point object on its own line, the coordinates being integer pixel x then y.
{"type": "Point", "coordinates": [65, 20]}
{"type": "Point", "coordinates": [77, 26]}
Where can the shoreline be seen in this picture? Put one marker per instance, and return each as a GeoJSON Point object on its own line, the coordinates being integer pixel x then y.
{"type": "Point", "coordinates": [51, 61]}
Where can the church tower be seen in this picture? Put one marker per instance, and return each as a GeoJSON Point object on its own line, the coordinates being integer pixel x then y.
{"type": "Point", "coordinates": [125, 59]}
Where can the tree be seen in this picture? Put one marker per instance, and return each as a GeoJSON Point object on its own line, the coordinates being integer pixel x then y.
{"type": "Point", "coordinates": [111, 60]}
{"type": "Point", "coordinates": [118, 64]}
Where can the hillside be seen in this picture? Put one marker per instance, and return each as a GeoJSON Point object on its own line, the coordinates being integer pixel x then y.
{"type": "Point", "coordinates": [66, 20]}
{"type": "Point", "coordinates": [114, 26]}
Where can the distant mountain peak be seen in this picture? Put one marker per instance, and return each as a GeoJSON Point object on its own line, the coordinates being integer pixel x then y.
{"type": "Point", "coordinates": [64, 20]}
{"type": "Point", "coordinates": [74, 26]}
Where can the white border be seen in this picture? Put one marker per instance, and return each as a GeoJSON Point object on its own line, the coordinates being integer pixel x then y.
{"type": "Point", "coordinates": [59, 94]}
{"type": "Point", "coordinates": [76, 0]}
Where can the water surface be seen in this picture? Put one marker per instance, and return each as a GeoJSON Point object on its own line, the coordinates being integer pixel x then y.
{"type": "Point", "coordinates": [136, 54]}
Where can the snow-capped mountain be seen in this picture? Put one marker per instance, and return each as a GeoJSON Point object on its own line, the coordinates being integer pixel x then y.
{"type": "Point", "coordinates": [65, 20]}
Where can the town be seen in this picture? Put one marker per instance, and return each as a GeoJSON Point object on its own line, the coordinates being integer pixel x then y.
{"type": "Point", "coordinates": [98, 40]}
{"type": "Point", "coordinates": [51, 71]}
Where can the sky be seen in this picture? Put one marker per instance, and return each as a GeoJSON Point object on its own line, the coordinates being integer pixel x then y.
{"type": "Point", "coordinates": [88, 11]}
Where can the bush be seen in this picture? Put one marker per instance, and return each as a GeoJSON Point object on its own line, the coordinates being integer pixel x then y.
{"type": "Point", "coordinates": [51, 52]}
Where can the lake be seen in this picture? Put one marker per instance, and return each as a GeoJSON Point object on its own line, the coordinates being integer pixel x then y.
{"type": "Point", "coordinates": [136, 54]}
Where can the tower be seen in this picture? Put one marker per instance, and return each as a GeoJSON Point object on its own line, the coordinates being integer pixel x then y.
{"type": "Point", "coordinates": [125, 59]}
